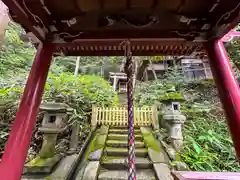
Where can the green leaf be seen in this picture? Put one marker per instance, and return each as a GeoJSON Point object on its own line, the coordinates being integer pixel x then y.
{"type": "Point", "coordinates": [196, 148]}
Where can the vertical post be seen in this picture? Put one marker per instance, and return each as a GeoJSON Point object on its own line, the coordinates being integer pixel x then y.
{"type": "Point", "coordinates": [21, 132]}
{"type": "Point", "coordinates": [115, 82]}
{"type": "Point", "coordinates": [227, 87]}
{"type": "Point", "coordinates": [77, 66]}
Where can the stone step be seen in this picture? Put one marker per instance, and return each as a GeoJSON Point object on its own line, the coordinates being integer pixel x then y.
{"type": "Point", "coordinates": [141, 152]}
{"type": "Point", "coordinates": [146, 174]}
{"type": "Point", "coordinates": [123, 131]}
{"type": "Point", "coordinates": [110, 162]}
{"type": "Point", "coordinates": [123, 137]}
{"type": "Point", "coordinates": [124, 144]}
{"type": "Point", "coordinates": [123, 127]}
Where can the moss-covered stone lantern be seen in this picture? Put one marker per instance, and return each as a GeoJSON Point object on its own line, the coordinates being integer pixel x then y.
{"type": "Point", "coordinates": [53, 123]}
{"type": "Point", "coordinates": [172, 117]}
{"type": "Point", "coordinates": [171, 100]}
{"type": "Point", "coordinates": [54, 120]}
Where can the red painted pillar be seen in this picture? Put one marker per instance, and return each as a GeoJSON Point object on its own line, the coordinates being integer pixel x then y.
{"type": "Point", "coordinates": [228, 88]}
{"type": "Point", "coordinates": [21, 132]}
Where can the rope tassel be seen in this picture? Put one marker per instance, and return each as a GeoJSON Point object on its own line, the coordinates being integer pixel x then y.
{"type": "Point", "coordinates": [131, 138]}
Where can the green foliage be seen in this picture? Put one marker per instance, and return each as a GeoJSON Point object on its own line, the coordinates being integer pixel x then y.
{"type": "Point", "coordinates": [10, 94]}
{"type": "Point", "coordinates": [15, 55]}
{"type": "Point", "coordinates": [207, 144]}
{"type": "Point", "coordinates": [89, 65]}
{"type": "Point", "coordinates": [80, 92]}
{"type": "Point", "coordinates": [148, 93]}
{"type": "Point", "coordinates": [234, 52]}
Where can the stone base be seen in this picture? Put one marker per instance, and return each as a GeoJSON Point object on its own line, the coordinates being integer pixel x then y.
{"type": "Point", "coordinates": [162, 171]}
{"type": "Point", "coordinates": [156, 157]}
{"type": "Point", "coordinates": [41, 165]}
{"type": "Point", "coordinates": [91, 170]}
{"type": "Point", "coordinates": [95, 155]}
{"type": "Point", "coordinates": [65, 168]}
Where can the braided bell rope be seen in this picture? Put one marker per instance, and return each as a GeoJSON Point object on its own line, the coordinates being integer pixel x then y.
{"type": "Point", "coordinates": [131, 138]}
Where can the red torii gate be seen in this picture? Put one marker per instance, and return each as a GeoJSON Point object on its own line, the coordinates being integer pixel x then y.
{"type": "Point", "coordinates": [97, 27]}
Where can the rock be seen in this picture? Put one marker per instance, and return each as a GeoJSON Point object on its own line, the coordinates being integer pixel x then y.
{"type": "Point", "coordinates": [156, 157]}
{"type": "Point", "coordinates": [162, 171]}
{"type": "Point", "coordinates": [145, 130]}
{"type": "Point", "coordinates": [181, 166]}
{"type": "Point", "coordinates": [65, 168]}
{"type": "Point", "coordinates": [91, 171]}
{"type": "Point", "coordinates": [177, 144]}
{"type": "Point", "coordinates": [95, 155]}
{"type": "Point", "coordinates": [171, 153]}
{"type": "Point", "coordinates": [103, 130]}
{"type": "Point", "coordinates": [123, 175]}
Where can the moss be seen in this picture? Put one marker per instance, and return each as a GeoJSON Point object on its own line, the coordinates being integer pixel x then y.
{"type": "Point", "coordinates": [103, 130]}
{"type": "Point", "coordinates": [38, 161]}
{"type": "Point", "coordinates": [47, 153]}
{"type": "Point", "coordinates": [171, 96]}
{"type": "Point", "coordinates": [98, 142]}
{"type": "Point", "coordinates": [178, 157]}
{"type": "Point", "coordinates": [109, 158]}
{"type": "Point", "coordinates": [150, 140]}
{"type": "Point", "coordinates": [48, 148]}
{"type": "Point", "coordinates": [49, 178]}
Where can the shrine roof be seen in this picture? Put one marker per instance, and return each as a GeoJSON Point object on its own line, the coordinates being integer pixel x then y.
{"type": "Point", "coordinates": [97, 27]}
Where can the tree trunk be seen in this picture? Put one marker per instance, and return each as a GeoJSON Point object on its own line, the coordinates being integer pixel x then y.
{"type": "Point", "coordinates": [77, 66]}
{"type": "Point", "coordinates": [136, 60]}
{"type": "Point", "coordinates": [142, 69]}
{"type": "Point", "coordinates": [153, 70]}
{"type": "Point", "coordinates": [102, 66]}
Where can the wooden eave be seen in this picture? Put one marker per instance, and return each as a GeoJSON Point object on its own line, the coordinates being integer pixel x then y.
{"type": "Point", "coordinates": [154, 27]}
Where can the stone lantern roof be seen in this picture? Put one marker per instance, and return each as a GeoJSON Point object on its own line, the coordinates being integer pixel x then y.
{"type": "Point", "coordinates": [54, 107]}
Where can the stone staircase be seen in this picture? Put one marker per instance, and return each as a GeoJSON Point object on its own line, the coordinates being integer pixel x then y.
{"type": "Point", "coordinates": [113, 164]}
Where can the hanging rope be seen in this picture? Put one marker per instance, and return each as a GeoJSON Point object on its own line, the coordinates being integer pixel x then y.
{"type": "Point", "coordinates": [131, 138]}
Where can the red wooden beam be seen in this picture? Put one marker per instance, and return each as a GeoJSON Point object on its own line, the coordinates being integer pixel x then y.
{"type": "Point", "coordinates": [228, 88]}
{"type": "Point", "coordinates": [21, 132]}
{"type": "Point", "coordinates": [139, 47]}
{"type": "Point", "coordinates": [231, 25]}
{"type": "Point", "coordinates": [22, 17]}
{"type": "Point", "coordinates": [230, 36]}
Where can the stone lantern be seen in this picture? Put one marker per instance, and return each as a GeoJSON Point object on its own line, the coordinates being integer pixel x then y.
{"type": "Point", "coordinates": [54, 120]}
{"type": "Point", "coordinates": [172, 118]}
{"type": "Point", "coordinates": [53, 123]}
{"type": "Point", "coordinates": [175, 120]}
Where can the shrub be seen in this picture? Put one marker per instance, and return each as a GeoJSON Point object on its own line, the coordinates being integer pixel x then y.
{"type": "Point", "coordinates": [207, 144]}
{"type": "Point", "coordinates": [80, 93]}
